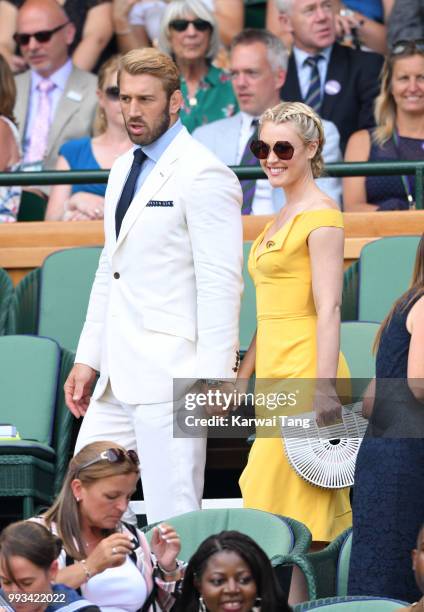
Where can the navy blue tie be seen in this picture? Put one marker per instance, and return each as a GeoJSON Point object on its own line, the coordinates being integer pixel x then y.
{"type": "Point", "coordinates": [129, 188]}
{"type": "Point", "coordinates": [313, 95]}
{"type": "Point", "coordinates": [248, 186]}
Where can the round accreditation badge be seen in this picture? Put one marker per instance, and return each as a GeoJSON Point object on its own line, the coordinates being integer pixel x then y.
{"type": "Point", "coordinates": [332, 88]}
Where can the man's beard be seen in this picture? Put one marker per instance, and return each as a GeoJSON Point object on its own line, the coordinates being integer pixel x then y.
{"type": "Point", "coordinates": [154, 132]}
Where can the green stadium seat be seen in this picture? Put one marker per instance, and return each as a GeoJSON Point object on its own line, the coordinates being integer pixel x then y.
{"type": "Point", "coordinates": [6, 297]}
{"type": "Point", "coordinates": [352, 604]}
{"type": "Point", "coordinates": [52, 300]}
{"type": "Point", "coordinates": [284, 540]}
{"type": "Point", "coordinates": [385, 271]}
{"type": "Point", "coordinates": [31, 381]}
{"type": "Point", "coordinates": [356, 343]}
{"type": "Point", "coordinates": [331, 566]}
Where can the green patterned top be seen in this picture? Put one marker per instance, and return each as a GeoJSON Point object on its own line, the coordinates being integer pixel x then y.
{"type": "Point", "coordinates": [214, 99]}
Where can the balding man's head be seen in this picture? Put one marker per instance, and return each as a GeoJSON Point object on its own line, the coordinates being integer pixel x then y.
{"type": "Point", "coordinates": [47, 19]}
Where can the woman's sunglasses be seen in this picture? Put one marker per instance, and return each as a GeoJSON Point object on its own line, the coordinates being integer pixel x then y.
{"type": "Point", "coordinates": [112, 455]}
{"type": "Point", "coordinates": [181, 25]}
{"type": "Point", "coordinates": [42, 36]}
{"type": "Point", "coordinates": [402, 46]}
{"type": "Point", "coordinates": [282, 149]}
{"type": "Point", "coordinates": [112, 93]}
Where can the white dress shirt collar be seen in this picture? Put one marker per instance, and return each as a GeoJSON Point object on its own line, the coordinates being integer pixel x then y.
{"type": "Point", "coordinates": [59, 78]}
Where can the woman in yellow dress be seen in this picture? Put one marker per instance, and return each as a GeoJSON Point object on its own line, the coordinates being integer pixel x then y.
{"type": "Point", "coordinates": [297, 266]}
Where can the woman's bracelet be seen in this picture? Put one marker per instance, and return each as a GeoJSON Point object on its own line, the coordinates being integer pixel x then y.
{"type": "Point", "coordinates": [87, 572]}
{"type": "Point", "coordinates": [170, 573]}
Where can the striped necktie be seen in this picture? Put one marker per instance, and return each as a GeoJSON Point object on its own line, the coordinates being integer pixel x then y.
{"type": "Point", "coordinates": [313, 95]}
{"type": "Point", "coordinates": [248, 186]}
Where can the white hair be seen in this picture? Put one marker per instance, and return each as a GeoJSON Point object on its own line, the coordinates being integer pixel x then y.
{"type": "Point", "coordinates": [180, 9]}
{"type": "Point", "coordinates": [284, 6]}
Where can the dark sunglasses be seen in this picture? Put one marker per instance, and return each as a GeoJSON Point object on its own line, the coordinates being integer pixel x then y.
{"type": "Point", "coordinates": [42, 37]}
{"type": "Point", "coordinates": [180, 25]}
{"type": "Point", "coordinates": [401, 46]}
{"type": "Point", "coordinates": [282, 149]}
{"type": "Point", "coordinates": [112, 455]}
{"type": "Point", "coordinates": [112, 93]}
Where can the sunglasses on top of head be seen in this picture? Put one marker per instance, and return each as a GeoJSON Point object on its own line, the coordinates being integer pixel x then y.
{"type": "Point", "coordinates": [401, 46]}
{"type": "Point", "coordinates": [282, 149]}
{"type": "Point", "coordinates": [42, 36]}
{"type": "Point", "coordinates": [180, 25]}
{"type": "Point", "coordinates": [112, 455]}
{"type": "Point", "coordinates": [112, 93]}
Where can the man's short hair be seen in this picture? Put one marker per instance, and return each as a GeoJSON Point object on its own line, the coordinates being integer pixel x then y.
{"type": "Point", "coordinates": [278, 56]}
{"type": "Point", "coordinates": [284, 6]}
{"type": "Point", "coordinates": [153, 62]}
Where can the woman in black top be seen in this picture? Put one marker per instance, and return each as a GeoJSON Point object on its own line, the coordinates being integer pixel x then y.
{"type": "Point", "coordinates": [388, 495]}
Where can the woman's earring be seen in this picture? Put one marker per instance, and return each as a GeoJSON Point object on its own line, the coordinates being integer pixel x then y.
{"type": "Point", "coordinates": [257, 605]}
{"type": "Point", "coordinates": [77, 499]}
{"type": "Point", "coordinates": [202, 607]}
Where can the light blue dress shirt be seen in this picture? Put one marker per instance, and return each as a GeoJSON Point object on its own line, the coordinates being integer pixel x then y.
{"type": "Point", "coordinates": [304, 70]}
{"type": "Point", "coordinates": [155, 150]}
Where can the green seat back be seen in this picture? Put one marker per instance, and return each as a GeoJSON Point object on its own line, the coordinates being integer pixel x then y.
{"type": "Point", "coordinates": [351, 604]}
{"type": "Point", "coordinates": [342, 576]}
{"type": "Point", "coordinates": [28, 382]}
{"type": "Point", "coordinates": [385, 270]}
{"type": "Point", "coordinates": [271, 532]}
{"type": "Point", "coordinates": [356, 342]}
{"type": "Point", "coordinates": [6, 296]}
{"type": "Point", "coordinates": [248, 303]}
{"type": "Point", "coordinates": [65, 285]}
{"type": "Point", "coordinates": [32, 207]}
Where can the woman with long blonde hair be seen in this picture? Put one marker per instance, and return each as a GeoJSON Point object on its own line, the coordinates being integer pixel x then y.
{"type": "Point", "coordinates": [388, 495]}
{"type": "Point", "coordinates": [399, 135]}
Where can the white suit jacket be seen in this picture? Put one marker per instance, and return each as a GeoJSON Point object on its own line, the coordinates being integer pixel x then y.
{"type": "Point", "coordinates": [222, 138]}
{"type": "Point", "coordinates": [166, 296]}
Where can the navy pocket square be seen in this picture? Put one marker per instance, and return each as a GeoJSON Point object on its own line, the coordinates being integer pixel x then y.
{"type": "Point", "coordinates": [161, 203]}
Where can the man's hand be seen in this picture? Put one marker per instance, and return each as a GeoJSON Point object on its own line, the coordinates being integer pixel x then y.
{"type": "Point", "coordinates": [78, 387]}
{"type": "Point", "coordinates": [220, 398]}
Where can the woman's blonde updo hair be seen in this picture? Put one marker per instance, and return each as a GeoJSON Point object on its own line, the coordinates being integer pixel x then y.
{"type": "Point", "coordinates": [308, 124]}
{"type": "Point", "coordinates": [105, 71]}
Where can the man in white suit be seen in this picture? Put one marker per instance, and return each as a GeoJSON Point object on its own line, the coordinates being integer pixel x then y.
{"type": "Point", "coordinates": [258, 64]}
{"type": "Point", "coordinates": [166, 296]}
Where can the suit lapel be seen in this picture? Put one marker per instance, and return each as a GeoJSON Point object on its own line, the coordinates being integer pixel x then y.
{"type": "Point", "coordinates": [67, 106]}
{"type": "Point", "coordinates": [232, 137]}
{"type": "Point", "coordinates": [290, 91]}
{"type": "Point", "coordinates": [22, 102]}
{"type": "Point", "coordinates": [153, 183]}
{"type": "Point", "coordinates": [335, 72]}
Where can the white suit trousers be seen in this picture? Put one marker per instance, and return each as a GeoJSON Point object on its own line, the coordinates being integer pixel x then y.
{"type": "Point", "coordinates": [172, 469]}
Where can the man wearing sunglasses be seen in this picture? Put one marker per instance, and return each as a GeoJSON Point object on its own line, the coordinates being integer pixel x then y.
{"type": "Point", "coordinates": [258, 64]}
{"type": "Point", "coordinates": [55, 101]}
{"type": "Point", "coordinates": [338, 82]}
{"type": "Point", "coordinates": [166, 297]}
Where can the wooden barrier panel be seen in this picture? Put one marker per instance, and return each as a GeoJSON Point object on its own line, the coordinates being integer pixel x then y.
{"type": "Point", "coordinates": [24, 246]}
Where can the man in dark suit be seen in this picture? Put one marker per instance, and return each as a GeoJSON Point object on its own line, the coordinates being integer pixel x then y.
{"type": "Point", "coordinates": [340, 83]}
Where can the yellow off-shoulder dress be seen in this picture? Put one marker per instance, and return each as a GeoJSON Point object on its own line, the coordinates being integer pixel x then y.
{"type": "Point", "coordinates": [286, 348]}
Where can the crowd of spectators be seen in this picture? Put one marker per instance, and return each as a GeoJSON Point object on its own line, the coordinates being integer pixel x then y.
{"type": "Point", "coordinates": [327, 53]}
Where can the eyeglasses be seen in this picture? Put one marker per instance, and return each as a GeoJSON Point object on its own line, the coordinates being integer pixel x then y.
{"type": "Point", "coordinates": [282, 149]}
{"type": "Point", "coordinates": [401, 46]}
{"type": "Point", "coordinates": [180, 25]}
{"type": "Point", "coordinates": [112, 93]}
{"type": "Point", "coordinates": [113, 455]}
{"type": "Point", "coordinates": [42, 37]}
